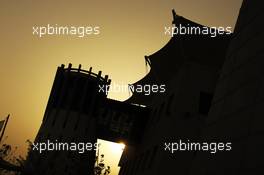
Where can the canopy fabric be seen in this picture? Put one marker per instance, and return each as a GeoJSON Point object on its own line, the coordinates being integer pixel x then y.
{"type": "Point", "coordinates": [202, 49]}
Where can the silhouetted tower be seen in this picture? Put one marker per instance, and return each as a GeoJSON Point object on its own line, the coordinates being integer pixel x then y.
{"type": "Point", "coordinates": [69, 117]}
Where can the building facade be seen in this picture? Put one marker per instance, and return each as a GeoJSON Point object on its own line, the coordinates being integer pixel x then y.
{"type": "Point", "coordinates": [213, 93]}
{"type": "Point", "coordinates": [189, 67]}
{"type": "Point", "coordinates": [236, 114]}
{"type": "Point", "coordinates": [186, 112]}
{"type": "Point", "coordinates": [78, 112]}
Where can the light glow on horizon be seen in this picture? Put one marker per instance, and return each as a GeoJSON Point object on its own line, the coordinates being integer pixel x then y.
{"type": "Point", "coordinates": [112, 153]}
{"type": "Point", "coordinates": [117, 147]}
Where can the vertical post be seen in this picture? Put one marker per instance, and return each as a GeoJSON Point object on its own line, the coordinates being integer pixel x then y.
{"type": "Point", "coordinates": [98, 154]}
{"type": "Point", "coordinates": [90, 70]}
{"type": "Point", "coordinates": [79, 68]}
{"type": "Point", "coordinates": [2, 134]}
{"type": "Point", "coordinates": [69, 66]}
{"type": "Point", "coordinates": [106, 78]}
{"type": "Point", "coordinates": [99, 74]}
{"type": "Point", "coordinates": [108, 86]}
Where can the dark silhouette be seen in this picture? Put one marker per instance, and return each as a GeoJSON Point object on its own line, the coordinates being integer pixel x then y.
{"type": "Point", "coordinates": [203, 103]}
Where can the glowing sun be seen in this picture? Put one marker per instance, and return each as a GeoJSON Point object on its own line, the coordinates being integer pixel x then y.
{"type": "Point", "coordinates": [118, 147]}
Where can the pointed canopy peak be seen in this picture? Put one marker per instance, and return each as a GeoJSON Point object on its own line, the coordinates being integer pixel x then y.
{"type": "Point", "coordinates": [147, 61]}
{"type": "Point", "coordinates": [175, 16]}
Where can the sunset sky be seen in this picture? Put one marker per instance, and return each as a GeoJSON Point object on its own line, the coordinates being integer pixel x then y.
{"type": "Point", "coordinates": [128, 31]}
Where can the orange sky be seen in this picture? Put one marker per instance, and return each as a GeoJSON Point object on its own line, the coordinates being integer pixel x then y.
{"type": "Point", "coordinates": [128, 31]}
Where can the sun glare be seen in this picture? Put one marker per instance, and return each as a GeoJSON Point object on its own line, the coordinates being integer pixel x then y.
{"type": "Point", "coordinates": [118, 147]}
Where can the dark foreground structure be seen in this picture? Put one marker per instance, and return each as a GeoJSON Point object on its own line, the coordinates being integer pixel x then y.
{"type": "Point", "coordinates": [214, 94]}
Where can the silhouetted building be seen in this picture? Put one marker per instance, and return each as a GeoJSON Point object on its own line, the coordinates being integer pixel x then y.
{"type": "Point", "coordinates": [237, 109]}
{"type": "Point", "coordinates": [69, 118]}
{"type": "Point", "coordinates": [189, 66]}
{"type": "Point", "coordinates": [236, 112]}
{"type": "Point", "coordinates": [213, 94]}
{"type": "Point", "coordinates": [79, 112]}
